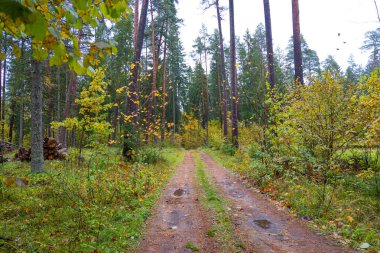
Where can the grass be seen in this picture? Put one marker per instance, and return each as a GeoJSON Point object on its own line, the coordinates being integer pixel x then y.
{"type": "Point", "coordinates": [191, 247]}
{"type": "Point", "coordinates": [222, 229]}
{"type": "Point", "coordinates": [349, 213]}
{"type": "Point", "coordinates": [98, 205]}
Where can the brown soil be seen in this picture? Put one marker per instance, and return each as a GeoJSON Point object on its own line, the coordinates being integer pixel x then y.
{"type": "Point", "coordinates": [262, 225]}
{"type": "Point", "coordinates": [178, 219]}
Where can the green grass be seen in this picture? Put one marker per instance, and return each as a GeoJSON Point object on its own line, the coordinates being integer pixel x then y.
{"type": "Point", "coordinates": [222, 229]}
{"type": "Point", "coordinates": [353, 204]}
{"type": "Point", "coordinates": [191, 247]}
{"type": "Point", "coordinates": [100, 204]}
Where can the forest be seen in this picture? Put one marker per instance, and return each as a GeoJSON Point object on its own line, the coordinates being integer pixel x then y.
{"type": "Point", "coordinates": [114, 139]}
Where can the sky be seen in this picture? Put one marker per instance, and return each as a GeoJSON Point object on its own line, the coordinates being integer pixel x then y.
{"type": "Point", "coordinates": [321, 22]}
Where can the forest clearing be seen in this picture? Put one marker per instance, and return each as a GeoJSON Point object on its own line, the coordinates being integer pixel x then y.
{"type": "Point", "coordinates": [115, 137]}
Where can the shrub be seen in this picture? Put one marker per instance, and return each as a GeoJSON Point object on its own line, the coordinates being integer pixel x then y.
{"type": "Point", "coordinates": [149, 155]}
{"type": "Point", "coordinates": [228, 149]}
{"type": "Point", "coordinates": [255, 151]}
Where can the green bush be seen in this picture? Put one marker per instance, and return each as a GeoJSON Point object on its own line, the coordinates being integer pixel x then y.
{"type": "Point", "coordinates": [149, 155]}
{"type": "Point", "coordinates": [255, 151]}
{"type": "Point", "coordinates": [228, 149]}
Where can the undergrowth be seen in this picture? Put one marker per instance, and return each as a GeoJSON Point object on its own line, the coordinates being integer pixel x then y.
{"type": "Point", "coordinates": [350, 212]}
{"type": "Point", "coordinates": [96, 204]}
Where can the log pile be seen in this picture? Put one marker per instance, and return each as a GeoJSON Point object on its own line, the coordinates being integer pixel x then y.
{"type": "Point", "coordinates": [52, 150]}
{"type": "Point", "coordinates": [24, 154]}
{"type": "Point", "coordinates": [3, 159]}
{"type": "Point", "coordinates": [6, 146]}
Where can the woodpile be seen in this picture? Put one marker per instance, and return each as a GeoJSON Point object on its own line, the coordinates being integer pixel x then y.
{"type": "Point", "coordinates": [3, 159]}
{"type": "Point", "coordinates": [52, 150]}
{"type": "Point", "coordinates": [6, 146]}
{"type": "Point", "coordinates": [24, 154]}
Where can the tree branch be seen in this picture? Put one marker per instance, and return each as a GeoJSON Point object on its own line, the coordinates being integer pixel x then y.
{"type": "Point", "coordinates": [377, 10]}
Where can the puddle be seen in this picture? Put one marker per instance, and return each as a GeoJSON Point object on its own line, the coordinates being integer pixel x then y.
{"type": "Point", "coordinates": [174, 218]}
{"type": "Point", "coordinates": [227, 183]}
{"type": "Point", "coordinates": [179, 192]}
{"type": "Point", "coordinates": [265, 224]}
{"type": "Point", "coordinates": [236, 194]}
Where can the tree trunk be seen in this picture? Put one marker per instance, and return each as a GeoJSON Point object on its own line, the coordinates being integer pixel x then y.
{"type": "Point", "coordinates": [154, 78]}
{"type": "Point", "coordinates": [163, 96]}
{"type": "Point", "coordinates": [298, 69]}
{"type": "Point", "coordinates": [220, 105]}
{"type": "Point", "coordinates": [1, 69]}
{"type": "Point", "coordinates": [12, 120]}
{"type": "Point", "coordinates": [268, 33]}
{"type": "Point", "coordinates": [21, 123]}
{"type": "Point", "coordinates": [234, 102]}
{"type": "Point", "coordinates": [50, 98]}
{"type": "Point", "coordinates": [37, 163]}
{"type": "Point", "coordinates": [223, 67]}
{"type": "Point", "coordinates": [207, 97]}
{"type": "Point", "coordinates": [133, 98]}
{"type": "Point", "coordinates": [3, 97]}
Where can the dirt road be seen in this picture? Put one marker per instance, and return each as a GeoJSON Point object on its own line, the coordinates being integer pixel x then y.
{"type": "Point", "coordinates": [180, 223]}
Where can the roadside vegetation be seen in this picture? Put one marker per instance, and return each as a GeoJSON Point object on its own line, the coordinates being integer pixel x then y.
{"type": "Point", "coordinates": [99, 202]}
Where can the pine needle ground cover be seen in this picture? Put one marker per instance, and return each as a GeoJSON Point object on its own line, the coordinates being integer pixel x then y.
{"type": "Point", "coordinates": [100, 203]}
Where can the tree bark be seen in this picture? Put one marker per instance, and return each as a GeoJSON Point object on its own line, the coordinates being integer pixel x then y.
{"type": "Point", "coordinates": [206, 97]}
{"type": "Point", "coordinates": [163, 122]}
{"type": "Point", "coordinates": [298, 68]}
{"type": "Point", "coordinates": [12, 119]}
{"type": "Point", "coordinates": [154, 78]}
{"type": "Point", "coordinates": [1, 69]}
{"type": "Point", "coordinates": [50, 99]}
{"type": "Point", "coordinates": [268, 34]}
{"type": "Point", "coordinates": [3, 97]}
{"type": "Point", "coordinates": [37, 163]}
{"type": "Point", "coordinates": [234, 102]}
{"type": "Point", "coordinates": [133, 98]}
{"type": "Point", "coordinates": [223, 67]}
{"type": "Point", "coordinates": [21, 123]}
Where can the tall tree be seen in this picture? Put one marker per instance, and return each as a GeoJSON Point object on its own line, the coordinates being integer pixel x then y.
{"type": "Point", "coordinates": [223, 70]}
{"type": "Point", "coordinates": [269, 43]}
{"type": "Point", "coordinates": [234, 91]}
{"type": "Point", "coordinates": [310, 59]}
{"type": "Point", "coordinates": [133, 88]}
{"type": "Point", "coordinates": [37, 163]}
{"type": "Point", "coordinates": [222, 62]}
{"type": "Point", "coordinates": [298, 71]}
{"type": "Point", "coordinates": [372, 44]}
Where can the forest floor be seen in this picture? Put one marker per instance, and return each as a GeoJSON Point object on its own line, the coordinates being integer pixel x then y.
{"type": "Point", "coordinates": [186, 218]}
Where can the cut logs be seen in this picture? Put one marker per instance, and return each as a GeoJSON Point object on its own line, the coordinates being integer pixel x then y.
{"type": "Point", "coordinates": [3, 159]}
{"type": "Point", "coordinates": [24, 154]}
{"type": "Point", "coordinates": [52, 151]}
